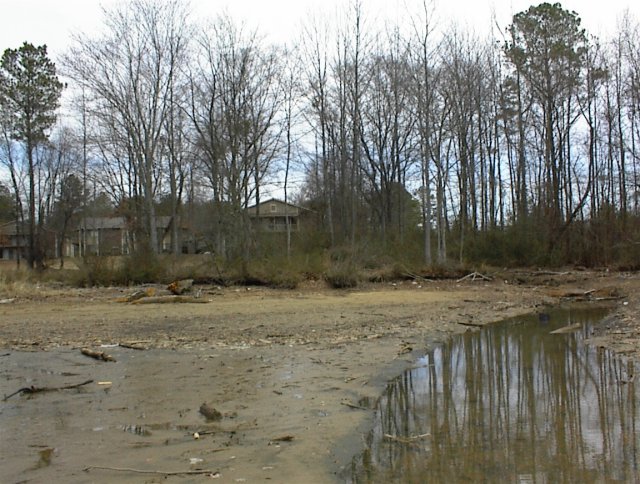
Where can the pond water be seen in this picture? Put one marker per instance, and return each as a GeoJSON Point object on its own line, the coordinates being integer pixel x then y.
{"type": "Point", "coordinates": [510, 403]}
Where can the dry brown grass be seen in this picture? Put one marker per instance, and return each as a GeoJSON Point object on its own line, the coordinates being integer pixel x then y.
{"type": "Point", "coordinates": [23, 283]}
{"type": "Point", "coordinates": [16, 282]}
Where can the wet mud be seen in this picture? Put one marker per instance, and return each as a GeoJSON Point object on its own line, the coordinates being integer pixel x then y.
{"type": "Point", "coordinates": [295, 375]}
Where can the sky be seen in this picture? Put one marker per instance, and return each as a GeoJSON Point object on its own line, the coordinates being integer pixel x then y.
{"type": "Point", "coordinates": [53, 22]}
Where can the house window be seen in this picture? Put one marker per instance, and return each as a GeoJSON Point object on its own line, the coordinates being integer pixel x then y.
{"type": "Point", "coordinates": [273, 208]}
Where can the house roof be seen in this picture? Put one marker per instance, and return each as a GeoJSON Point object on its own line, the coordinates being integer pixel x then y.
{"type": "Point", "coordinates": [253, 208]}
{"type": "Point", "coordinates": [10, 228]}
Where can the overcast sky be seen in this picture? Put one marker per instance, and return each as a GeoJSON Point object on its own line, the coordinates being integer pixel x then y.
{"type": "Point", "coordinates": [52, 22]}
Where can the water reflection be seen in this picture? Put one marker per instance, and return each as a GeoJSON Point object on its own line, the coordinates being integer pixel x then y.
{"type": "Point", "coordinates": [510, 403]}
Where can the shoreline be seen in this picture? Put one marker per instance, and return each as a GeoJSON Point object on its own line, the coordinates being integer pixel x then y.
{"type": "Point", "coordinates": [274, 363]}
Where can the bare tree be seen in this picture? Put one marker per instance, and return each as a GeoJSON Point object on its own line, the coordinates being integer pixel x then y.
{"type": "Point", "coordinates": [424, 88]}
{"type": "Point", "coordinates": [128, 76]}
{"type": "Point", "coordinates": [387, 127]}
{"type": "Point", "coordinates": [235, 98]}
{"type": "Point", "coordinates": [316, 57]}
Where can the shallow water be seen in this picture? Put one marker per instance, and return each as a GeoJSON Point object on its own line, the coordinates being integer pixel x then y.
{"type": "Point", "coordinates": [511, 403]}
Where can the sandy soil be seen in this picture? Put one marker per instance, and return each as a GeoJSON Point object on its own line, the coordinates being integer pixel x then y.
{"type": "Point", "coordinates": [294, 374]}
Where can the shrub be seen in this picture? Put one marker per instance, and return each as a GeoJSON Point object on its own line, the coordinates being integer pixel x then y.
{"type": "Point", "coordinates": [142, 266]}
{"type": "Point", "coordinates": [285, 280]}
{"type": "Point", "coordinates": [96, 271]}
{"type": "Point", "coordinates": [342, 276]}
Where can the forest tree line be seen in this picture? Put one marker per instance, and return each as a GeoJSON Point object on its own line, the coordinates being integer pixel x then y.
{"type": "Point", "coordinates": [424, 143]}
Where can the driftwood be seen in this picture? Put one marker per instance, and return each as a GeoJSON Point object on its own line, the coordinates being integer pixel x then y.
{"type": "Point", "coordinates": [169, 299]}
{"type": "Point", "coordinates": [474, 276]}
{"type": "Point", "coordinates": [32, 389]}
{"type": "Point", "coordinates": [148, 292]}
{"type": "Point", "coordinates": [550, 273]}
{"type": "Point", "coordinates": [161, 473]}
{"type": "Point", "coordinates": [416, 276]}
{"type": "Point", "coordinates": [608, 298]}
{"type": "Point", "coordinates": [570, 294]}
{"type": "Point", "coordinates": [180, 287]}
{"type": "Point", "coordinates": [98, 355]}
{"type": "Point", "coordinates": [351, 405]}
{"type": "Point", "coordinates": [132, 346]}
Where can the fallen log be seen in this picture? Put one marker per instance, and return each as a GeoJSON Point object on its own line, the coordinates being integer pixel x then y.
{"type": "Point", "coordinates": [148, 292]}
{"type": "Point", "coordinates": [170, 299]}
{"type": "Point", "coordinates": [180, 287]}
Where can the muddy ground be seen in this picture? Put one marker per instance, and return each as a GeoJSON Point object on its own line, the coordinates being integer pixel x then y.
{"type": "Point", "coordinates": [294, 374]}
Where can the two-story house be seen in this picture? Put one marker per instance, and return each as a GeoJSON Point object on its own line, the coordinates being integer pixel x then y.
{"type": "Point", "coordinates": [273, 215]}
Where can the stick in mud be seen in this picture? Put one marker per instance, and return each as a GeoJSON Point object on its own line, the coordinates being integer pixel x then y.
{"type": "Point", "coordinates": [98, 355]}
{"type": "Point", "coordinates": [33, 389]}
{"type": "Point", "coordinates": [162, 473]}
{"type": "Point", "coordinates": [284, 438]}
{"type": "Point", "coordinates": [351, 405]}
{"type": "Point", "coordinates": [132, 346]}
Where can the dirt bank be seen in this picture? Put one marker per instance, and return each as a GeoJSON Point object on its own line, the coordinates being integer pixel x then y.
{"type": "Point", "coordinates": [293, 373]}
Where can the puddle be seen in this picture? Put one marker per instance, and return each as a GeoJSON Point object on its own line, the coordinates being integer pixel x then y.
{"type": "Point", "coordinates": [511, 403]}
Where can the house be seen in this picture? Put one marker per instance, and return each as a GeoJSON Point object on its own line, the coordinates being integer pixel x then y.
{"type": "Point", "coordinates": [272, 215]}
{"type": "Point", "coordinates": [99, 236]}
{"type": "Point", "coordinates": [12, 244]}
{"type": "Point", "coordinates": [114, 236]}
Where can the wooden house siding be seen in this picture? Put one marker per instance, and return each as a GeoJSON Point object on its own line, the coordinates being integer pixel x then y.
{"type": "Point", "coordinates": [272, 215]}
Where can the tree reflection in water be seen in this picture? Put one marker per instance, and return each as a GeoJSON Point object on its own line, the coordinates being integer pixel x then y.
{"type": "Point", "coordinates": [511, 403]}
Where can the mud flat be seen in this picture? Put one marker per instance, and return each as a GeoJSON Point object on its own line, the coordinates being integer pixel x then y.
{"type": "Point", "coordinates": [294, 374]}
